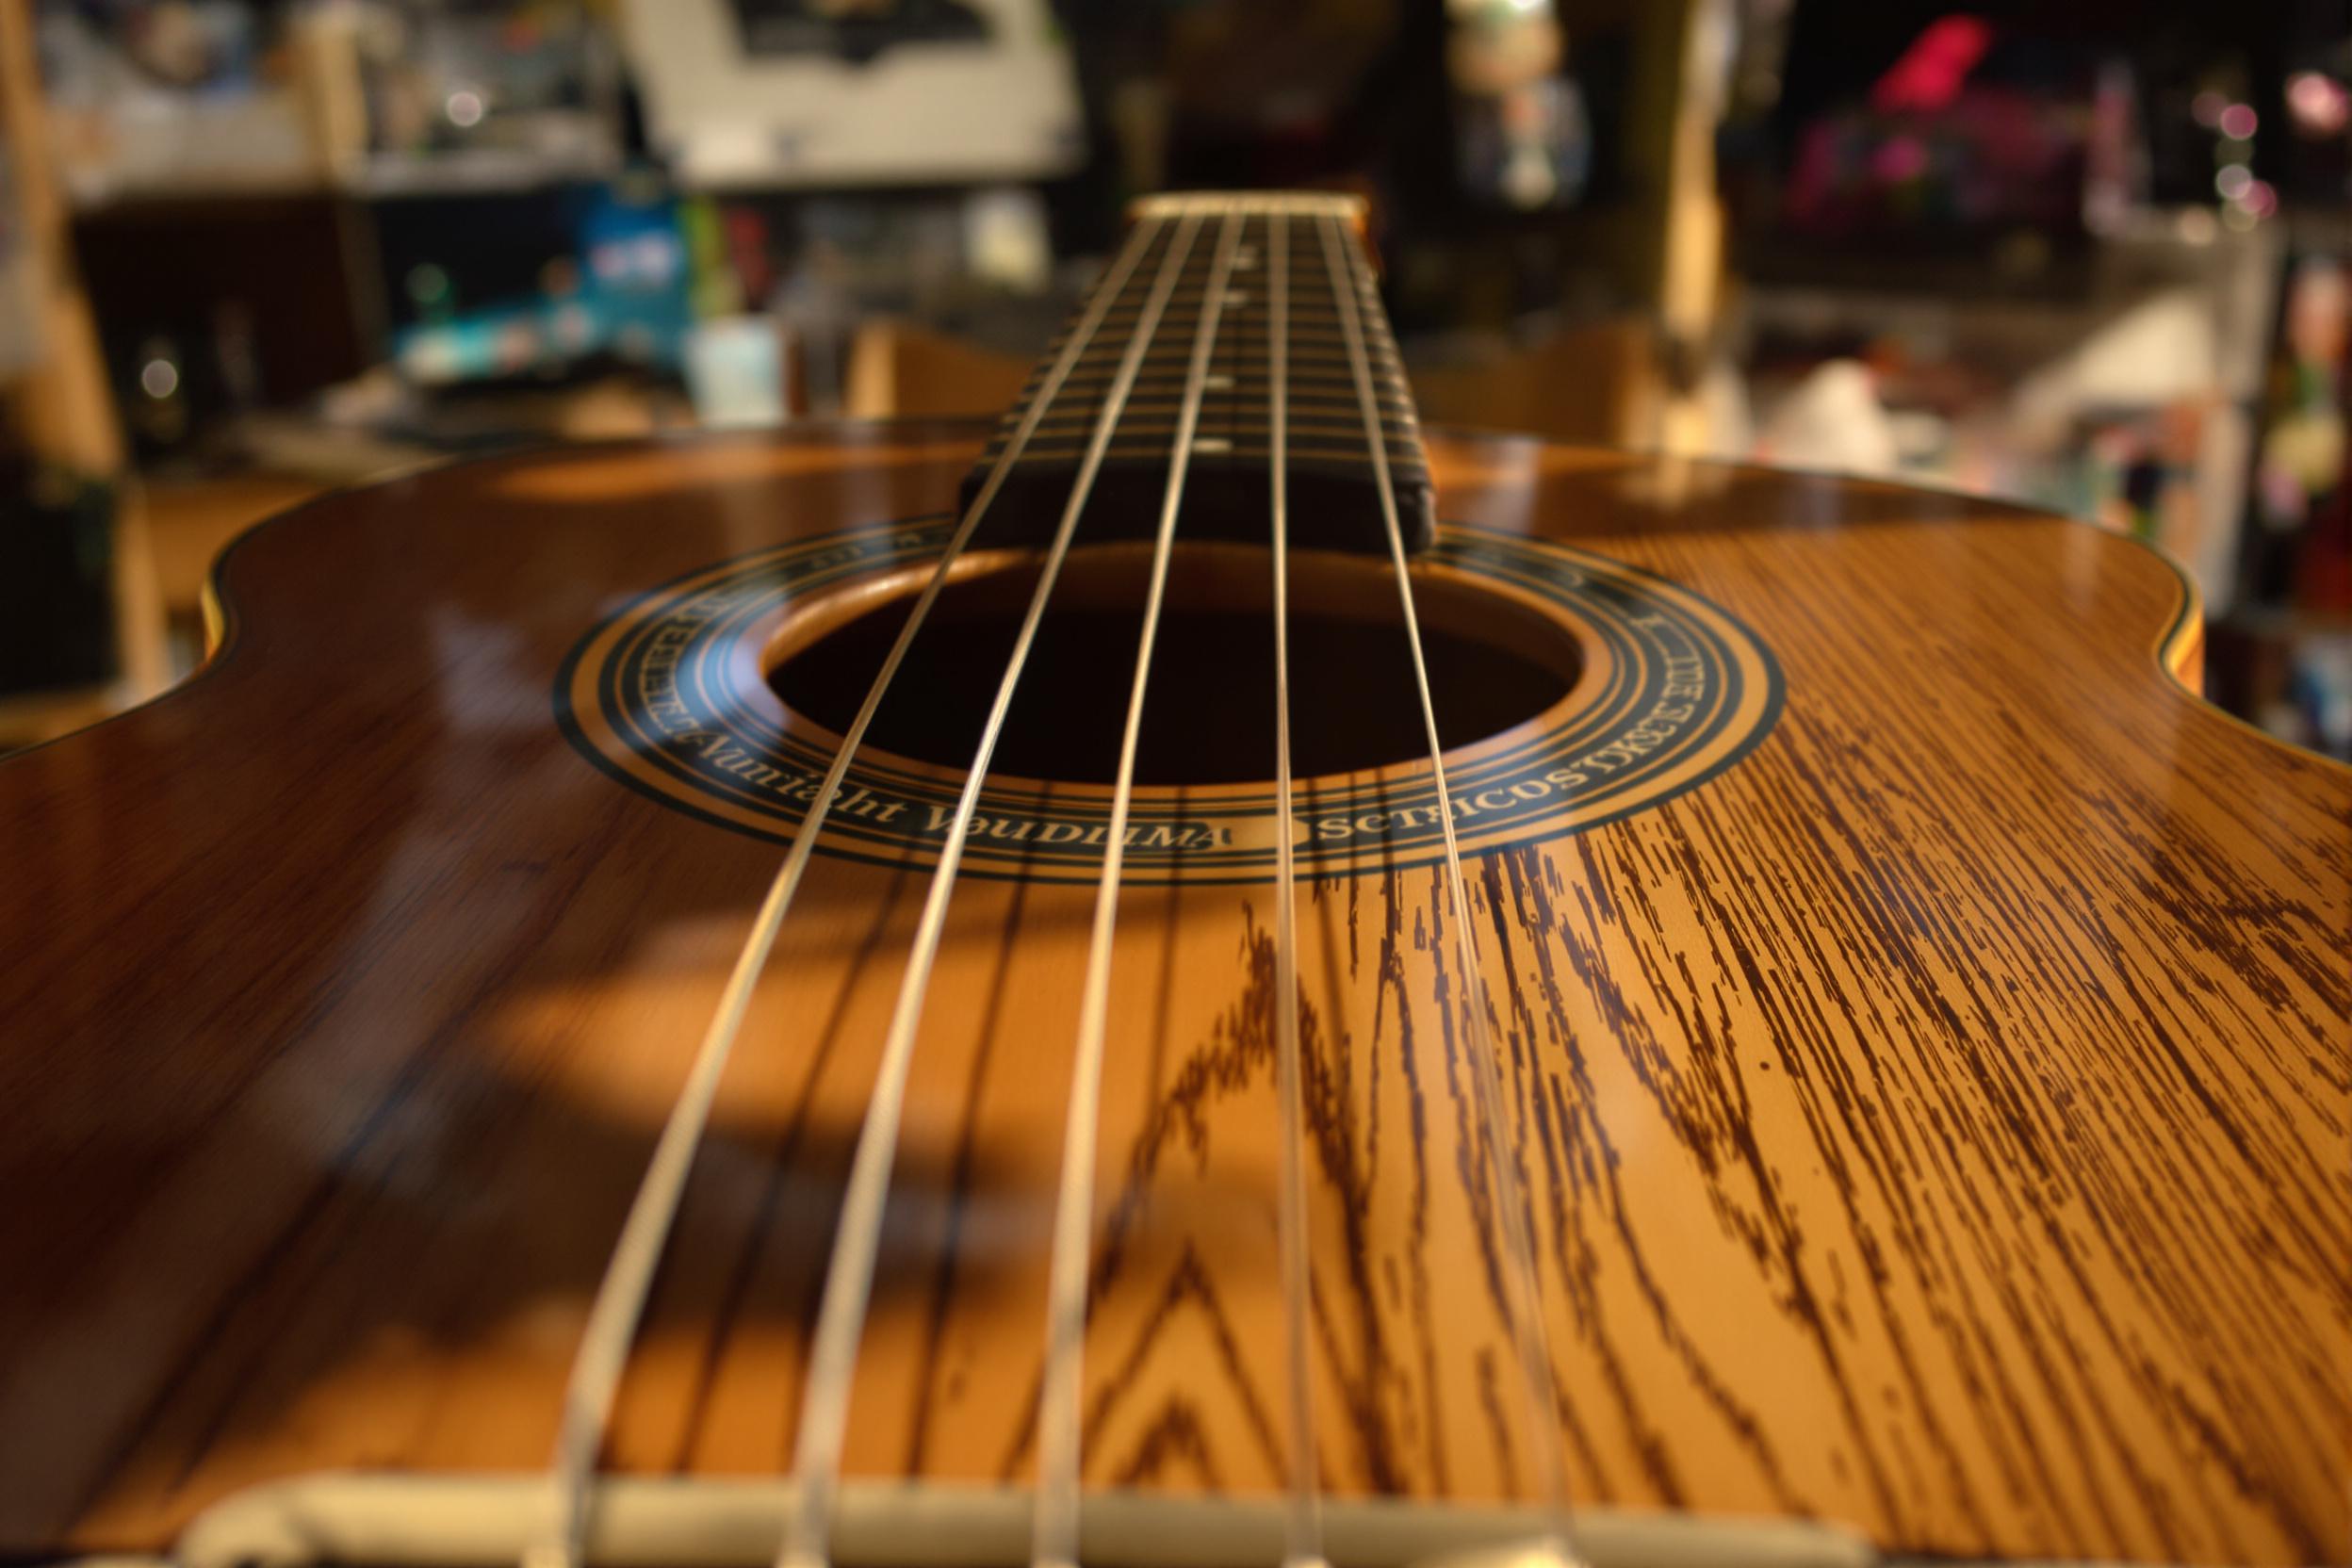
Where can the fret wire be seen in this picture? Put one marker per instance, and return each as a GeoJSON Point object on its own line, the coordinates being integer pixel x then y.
{"type": "Point", "coordinates": [1347, 454]}
{"type": "Point", "coordinates": [1065, 438]}
{"type": "Point", "coordinates": [1324, 395]}
{"type": "Point", "coordinates": [1254, 400]}
{"type": "Point", "coordinates": [1236, 413]}
{"type": "Point", "coordinates": [1322, 322]}
{"type": "Point", "coordinates": [1254, 397]}
{"type": "Point", "coordinates": [1322, 369]}
{"type": "Point", "coordinates": [1316, 384]}
{"type": "Point", "coordinates": [1310, 328]}
{"type": "Point", "coordinates": [1251, 399]}
{"type": "Point", "coordinates": [1247, 426]}
{"type": "Point", "coordinates": [1322, 391]}
{"type": "Point", "coordinates": [1248, 423]}
{"type": "Point", "coordinates": [620, 1299]}
{"type": "Point", "coordinates": [1323, 457]}
{"type": "Point", "coordinates": [1156, 421]}
{"type": "Point", "coordinates": [849, 1275]}
{"type": "Point", "coordinates": [1303, 1544]}
{"type": "Point", "coordinates": [1235, 434]}
{"type": "Point", "coordinates": [1319, 427]}
{"type": "Point", "coordinates": [1332, 363]}
{"type": "Point", "coordinates": [1316, 381]}
{"type": "Point", "coordinates": [1320, 462]}
{"type": "Point", "coordinates": [1319, 335]}
{"type": "Point", "coordinates": [1060, 1412]}
{"type": "Point", "coordinates": [1106, 347]}
{"type": "Point", "coordinates": [1503, 1166]}
{"type": "Point", "coordinates": [1248, 388]}
{"type": "Point", "coordinates": [1326, 341]}
{"type": "Point", "coordinates": [1320, 347]}
{"type": "Point", "coordinates": [1326, 372]}
{"type": "Point", "coordinates": [1306, 346]}
{"type": "Point", "coordinates": [1316, 406]}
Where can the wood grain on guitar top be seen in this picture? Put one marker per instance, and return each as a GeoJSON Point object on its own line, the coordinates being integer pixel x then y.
{"type": "Point", "coordinates": [1940, 1121]}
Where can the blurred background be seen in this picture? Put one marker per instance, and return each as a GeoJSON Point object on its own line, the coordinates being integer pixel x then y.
{"type": "Point", "coordinates": [2094, 255]}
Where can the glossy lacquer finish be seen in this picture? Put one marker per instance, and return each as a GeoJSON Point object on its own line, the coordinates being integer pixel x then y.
{"type": "Point", "coordinates": [1939, 1119]}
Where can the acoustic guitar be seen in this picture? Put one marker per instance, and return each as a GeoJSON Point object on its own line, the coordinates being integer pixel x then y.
{"type": "Point", "coordinates": [1194, 978]}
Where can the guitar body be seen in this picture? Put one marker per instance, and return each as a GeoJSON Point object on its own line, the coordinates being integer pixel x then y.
{"type": "Point", "coordinates": [1922, 1025]}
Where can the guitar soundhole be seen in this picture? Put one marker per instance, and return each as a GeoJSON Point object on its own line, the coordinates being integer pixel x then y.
{"type": "Point", "coordinates": [1494, 661]}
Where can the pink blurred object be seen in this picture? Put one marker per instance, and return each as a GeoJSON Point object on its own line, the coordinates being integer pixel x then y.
{"type": "Point", "coordinates": [1929, 74]}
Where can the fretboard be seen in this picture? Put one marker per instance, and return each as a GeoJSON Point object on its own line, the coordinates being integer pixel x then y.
{"type": "Point", "coordinates": [1328, 461]}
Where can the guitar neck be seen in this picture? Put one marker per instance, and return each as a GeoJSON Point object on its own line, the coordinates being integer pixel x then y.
{"type": "Point", "coordinates": [1298, 329]}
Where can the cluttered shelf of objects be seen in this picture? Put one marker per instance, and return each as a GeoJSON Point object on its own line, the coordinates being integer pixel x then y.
{"type": "Point", "coordinates": [1795, 234]}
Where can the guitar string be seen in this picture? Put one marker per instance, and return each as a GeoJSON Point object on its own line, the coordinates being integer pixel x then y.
{"type": "Point", "coordinates": [620, 1299]}
{"type": "Point", "coordinates": [849, 1276]}
{"type": "Point", "coordinates": [1053, 1542]}
{"type": "Point", "coordinates": [1503, 1169]}
{"type": "Point", "coordinates": [1304, 1527]}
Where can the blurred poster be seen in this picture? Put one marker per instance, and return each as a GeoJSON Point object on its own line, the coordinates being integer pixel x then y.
{"type": "Point", "coordinates": [789, 93]}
